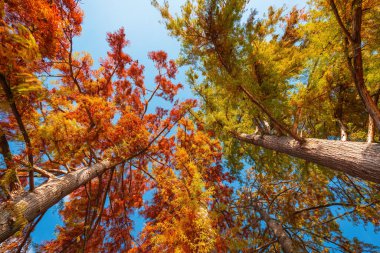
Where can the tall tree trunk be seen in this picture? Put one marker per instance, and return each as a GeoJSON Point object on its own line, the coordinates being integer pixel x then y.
{"type": "Point", "coordinates": [14, 214]}
{"type": "Point", "coordinates": [371, 130]}
{"type": "Point", "coordinates": [356, 44]}
{"type": "Point", "coordinates": [371, 123]}
{"type": "Point", "coordinates": [356, 67]}
{"type": "Point", "coordinates": [358, 159]}
{"type": "Point", "coordinates": [282, 237]}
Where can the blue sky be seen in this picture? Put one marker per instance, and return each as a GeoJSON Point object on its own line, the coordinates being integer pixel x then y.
{"type": "Point", "coordinates": [145, 33]}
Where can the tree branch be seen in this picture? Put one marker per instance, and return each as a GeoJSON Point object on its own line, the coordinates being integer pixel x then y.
{"type": "Point", "coordinates": [17, 115]}
{"type": "Point", "coordinates": [320, 206]}
{"type": "Point", "coordinates": [275, 121]}
{"type": "Point", "coordinates": [30, 230]}
{"type": "Point", "coordinates": [340, 22]}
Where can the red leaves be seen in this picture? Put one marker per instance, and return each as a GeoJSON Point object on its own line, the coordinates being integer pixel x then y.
{"type": "Point", "coordinates": [117, 42]}
{"type": "Point", "coordinates": [165, 85]}
{"type": "Point", "coordinates": [171, 69]}
{"type": "Point", "coordinates": [135, 72]}
{"type": "Point", "coordinates": [159, 57]}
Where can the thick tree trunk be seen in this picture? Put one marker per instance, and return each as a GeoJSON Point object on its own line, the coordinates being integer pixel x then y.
{"type": "Point", "coordinates": [25, 208]}
{"type": "Point", "coordinates": [358, 159]}
{"type": "Point", "coordinates": [282, 237]}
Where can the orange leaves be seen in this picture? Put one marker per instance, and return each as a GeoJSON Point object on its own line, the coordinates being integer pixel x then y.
{"type": "Point", "coordinates": [44, 19]}
{"type": "Point", "coordinates": [117, 42]}
{"type": "Point", "coordinates": [135, 72]}
{"type": "Point", "coordinates": [167, 88]}
{"type": "Point", "coordinates": [70, 10]}
{"type": "Point", "coordinates": [180, 215]}
{"type": "Point", "coordinates": [93, 114]}
{"type": "Point", "coordinates": [129, 135]}
{"type": "Point", "coordinates": [159, 58]}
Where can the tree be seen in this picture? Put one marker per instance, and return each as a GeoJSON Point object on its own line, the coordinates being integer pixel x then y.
{"type": "Point", "coordinates": [186, 178]}
{"type": "Point", "coordinates": [265, 75]}
{"type": "Point", "coordinates": [93, 135]}
{"type": "Point", "coordinates": [183, 215]}
{"type": "Point", "coordinates": [298, 209]}
{"type": "Point", "coordinates": [354, 38]}
{"type": "Point", "coordinates": [91, 121]}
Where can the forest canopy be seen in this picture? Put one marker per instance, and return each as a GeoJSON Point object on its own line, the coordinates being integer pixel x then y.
{"type": "Point", "coordinates": [277, 151]}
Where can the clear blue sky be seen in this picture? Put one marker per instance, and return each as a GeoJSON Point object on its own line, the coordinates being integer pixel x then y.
{"type": "Point", "coordinates": [145, 33]}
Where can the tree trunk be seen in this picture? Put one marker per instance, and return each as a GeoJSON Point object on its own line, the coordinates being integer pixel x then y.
{"type": "Point", "coordinates": [370, 105]}
{"type": "Point", "coordinates": [356, 68]}
{"type": "Point", "coordinates": [371, 124]}
{"type": "Point", "coordinates": [358, 159]}
{"type": "Point", "coordinates": [282, 237]}
{"type": "Point", "coordinates": [371, 130]}
{"type": "Point", "coordinates": [343, 131]}
{"type": "Point", "coordinates": [25, 208]}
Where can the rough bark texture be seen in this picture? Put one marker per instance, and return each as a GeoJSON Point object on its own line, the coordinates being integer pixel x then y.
{"type": "Point", "coordinates": [14, 214]}
{"type": "Point", "coordinates": [358, 159]}
{"type": "Point", "coordinates": [282, 237]}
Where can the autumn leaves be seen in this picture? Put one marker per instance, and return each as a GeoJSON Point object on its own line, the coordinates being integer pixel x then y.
{"type": "Point", "coordinates": [101, 135]}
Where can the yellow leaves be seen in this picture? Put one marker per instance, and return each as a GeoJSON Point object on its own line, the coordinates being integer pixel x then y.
{"type": "Point", "coordinates": [59, 126]}
{"type": "Point", "coordinates": [26, 83]}
{"type": "Point", "coordinates": [64, 134]}
{"type": "Point", "coordinates": [17, 43]}
{"type": "Point", "coordinates": [185, 223]}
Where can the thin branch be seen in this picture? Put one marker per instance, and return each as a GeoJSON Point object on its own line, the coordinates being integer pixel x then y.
{"type": "Point", "coordinates": [319, 207]}
{"type": "Point", "coordinates": [98, 219]}
{"type": "Point", "coordinates": [30, 230]}
{"type": "Point", "coordinates": [346, 213]}
{"type": "Point", "coordinates": [44, 172]}
{"type": "Point", "coordinates": [265, 245]}
{"type": "Point", "coordinates": [150, 98]}
{"type": "Point", "coordinates": [340, 22]}
{"type": "Point", "coordinates": [275, 121]}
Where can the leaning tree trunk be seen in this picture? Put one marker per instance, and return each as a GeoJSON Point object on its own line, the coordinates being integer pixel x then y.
{"type": "Point", "coordinates": [283, 239]}
{"type": "Point", "coordinates": [358, 159]}
{"type": "Point", "coordinates": [25, 208]}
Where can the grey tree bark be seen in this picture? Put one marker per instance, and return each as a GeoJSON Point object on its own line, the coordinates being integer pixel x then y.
{"type": "Point", "coordinates": [283, 239]}
{"type": "Point", "coordinates": [25, 208]}
{"type": "Point", "coordinates": [358, 159]}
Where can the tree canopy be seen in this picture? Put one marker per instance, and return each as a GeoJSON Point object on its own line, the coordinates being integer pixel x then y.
{"type": "Point", "coordinates": [279, 148]}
